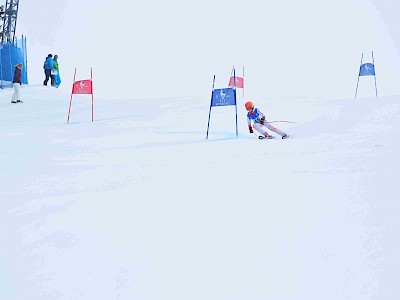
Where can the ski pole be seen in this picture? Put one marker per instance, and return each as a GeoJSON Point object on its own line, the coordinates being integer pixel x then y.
{"type": "Point", "coordinates": [282, 121]}
{"type": "Point", "coordinates": [258, 136]}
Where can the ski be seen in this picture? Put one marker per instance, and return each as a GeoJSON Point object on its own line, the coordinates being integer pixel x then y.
{"type": "Point", "coordinates": [262, 137]}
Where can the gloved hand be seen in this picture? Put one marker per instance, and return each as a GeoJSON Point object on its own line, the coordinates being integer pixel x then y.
{"type": "Point", "coordinates": [250, 129]}
{"type": "Point", "coordinates": [262, 121]}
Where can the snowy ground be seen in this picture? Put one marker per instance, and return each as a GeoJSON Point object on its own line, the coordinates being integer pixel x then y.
{"type": "Point", "coordinates": [138, 205]}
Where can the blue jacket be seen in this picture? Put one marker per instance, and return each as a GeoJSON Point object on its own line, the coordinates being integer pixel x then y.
{"type": "Point", "coordinates": [48, 64]}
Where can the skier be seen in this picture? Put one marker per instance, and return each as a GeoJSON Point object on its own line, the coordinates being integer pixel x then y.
{"type": "Point", "coordinates": [48, 67]}
{"type": "Point", "coordinates": [56, 72]}
{"type": "Point", "coordinates": [259, 122]}
{"type": "Point", "coordinates": [17, 81]}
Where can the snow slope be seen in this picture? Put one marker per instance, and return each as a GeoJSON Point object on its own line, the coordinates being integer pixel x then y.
{"type": "Point", "coordinates": [138, 205]}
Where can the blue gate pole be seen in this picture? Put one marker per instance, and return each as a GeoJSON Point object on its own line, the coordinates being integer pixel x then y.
{"type": "Point", "coordinates": [358, 80]}
{"type": "Point", "coordinates": [11, 64]}
{"type": "Point", "coordinates": [26, 61]}
{"type": "Point", "coordinates": [24, 58]}
{"type": "Point", "coordinates": [1, 66]}
{"type": "Point", "coordinates": [234, 80]}
{"type": "Point", "coordinates": [376, 89]}
{"type": "Point", "coordinates": [209, 113]}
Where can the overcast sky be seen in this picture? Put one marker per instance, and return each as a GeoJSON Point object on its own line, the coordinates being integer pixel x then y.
{"type": "Point", "coordinates": [173, 48]}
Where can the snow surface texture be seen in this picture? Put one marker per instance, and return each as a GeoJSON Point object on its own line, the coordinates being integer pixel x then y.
{"type": "Point", "coordinates": [138, 205]}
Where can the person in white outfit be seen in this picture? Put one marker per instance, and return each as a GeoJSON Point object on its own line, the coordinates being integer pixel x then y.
{"type": "Point", "coordinates": [260, 124]}
{"type": "Point", "coordinates": [17, 81]}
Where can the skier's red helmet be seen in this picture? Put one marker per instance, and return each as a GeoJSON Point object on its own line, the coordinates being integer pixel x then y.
{"type": "Point", "coordinates": [249, 105]}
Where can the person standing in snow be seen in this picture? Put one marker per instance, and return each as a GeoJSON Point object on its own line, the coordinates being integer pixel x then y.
{"type": "Point", "coordinates": [56, 72]}
{"type": "Point", "coordinates": [258, 118]}
{"type": "Point", "coordinates": [48, 67]}
{"type": "Point", "coordinates": [17, 81]}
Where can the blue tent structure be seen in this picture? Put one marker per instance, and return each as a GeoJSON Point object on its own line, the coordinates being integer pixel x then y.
{"type": "Point", "coordinates": [12, 54]}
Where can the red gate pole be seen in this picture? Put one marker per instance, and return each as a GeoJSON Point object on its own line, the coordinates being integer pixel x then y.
{"type": "Point", "coordinates": [243, 84]}
{"type": "Point", "coordinates": [91, 81]}
{"type": "Point", "coordinates": [70, 101]}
